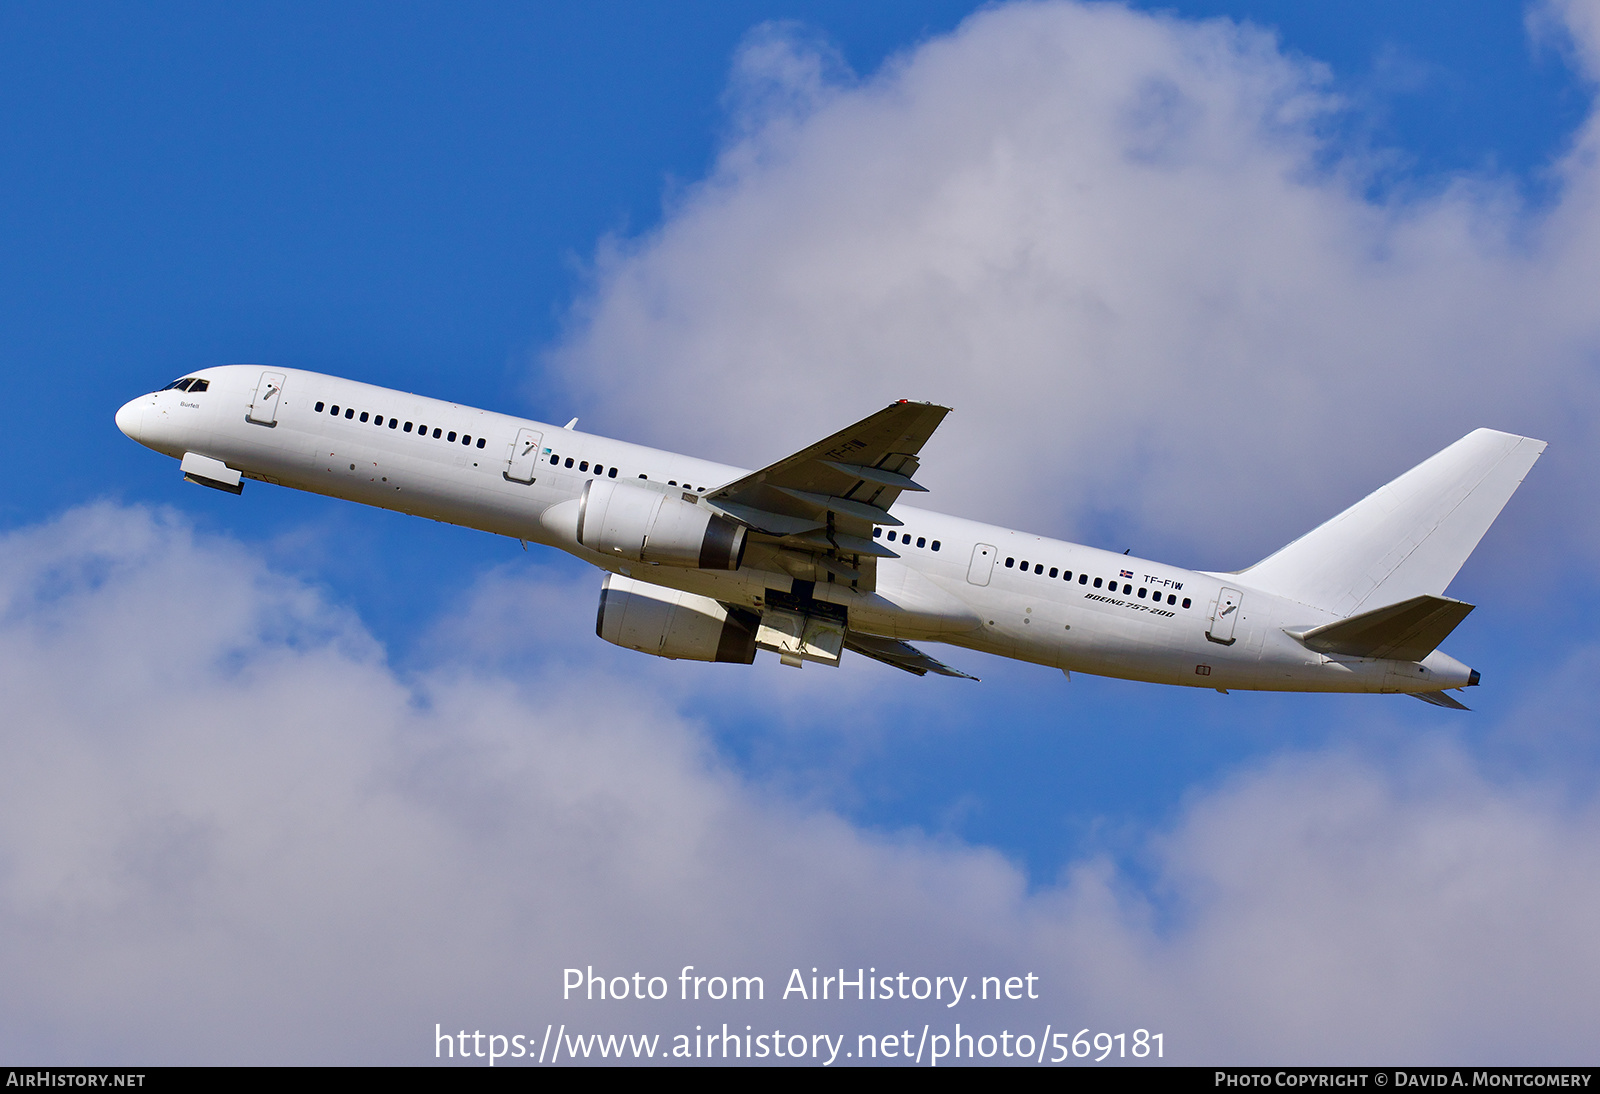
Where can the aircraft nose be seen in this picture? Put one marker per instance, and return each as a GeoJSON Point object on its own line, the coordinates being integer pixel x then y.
{"type": "Point", "coordinates": [130, 419]}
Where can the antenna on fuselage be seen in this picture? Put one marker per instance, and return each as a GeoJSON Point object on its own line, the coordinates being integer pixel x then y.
{"type": "Point", "coordinates": [570, 424]}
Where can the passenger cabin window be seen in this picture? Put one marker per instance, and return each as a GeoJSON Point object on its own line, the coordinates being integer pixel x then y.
{"type": "Point", "coordinates": [921, 542]}
{"type": "Point", "coordinates": [451, 437]}
{"type": "Point", "coordinates": [1083, 579]}
{"type": "Point", "coordinates": [891, 537]}
{"type": "Point", "coordinates": [935, 545]}
{"type": "Point", "coordinates": [318, 407]}
{"type": "Point", "coordinates": [1097, 583]}
{"type": "Point", "coordinates": [393, 422]}
{"type": "Point", "coordinates": [407, 428]}
{"type": "Point", "coordinates": [584, 466]}
{"type": "Point", "coordinates": [1010, 562]}
{"type": "Point", "coordinates": [466, 439]}
{"type": "Point", "coordinates": [569, 461]}
{"type": "Point", "coordinates": [1142, 591]}
{"type": "Point", "coordinates": [480, 442]}
{"type": "Point", "coordinates": [1185, 602]}
{"type": "Point", "coordinates": [876, 532]}
{"type": "Point", "coordinates": [555, 461]}
{"type": "Point", "coordinates": [609, 474]}
{"type": "Point", "coordinates": [349, 413]}
{"type": "Point", "coordinates": [1038, 567]}
{"type": "Point", "coordinates": [363, 415]}
{"type": "Point", "coordinates": [436, 432]}
{"type": "Point", "coordinates": [1052, 571]}
{"type": "Point", "coordinates": [334, 410]}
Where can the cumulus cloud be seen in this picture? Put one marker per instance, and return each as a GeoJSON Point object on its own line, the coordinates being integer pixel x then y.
{"type": "Point", "coordinates": [1138, 255]}
{"type": "Point", "coordinates": [1133, 253]}
{"type": "Point", "coordinates": [230, 831]}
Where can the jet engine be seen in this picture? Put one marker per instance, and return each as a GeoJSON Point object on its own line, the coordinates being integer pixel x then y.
{"type": "Point", "coordinates": [666, 623]}
{"type": "Point", "coordinates": [644, 524]}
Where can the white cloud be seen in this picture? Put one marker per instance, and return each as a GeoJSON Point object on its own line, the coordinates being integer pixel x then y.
{"type": "Point", "coordinates": [229, 832]}
{"type": "Point", "coordinates": [1129, 252]}
{"type": "Point", "coordinates": [1123, 248]}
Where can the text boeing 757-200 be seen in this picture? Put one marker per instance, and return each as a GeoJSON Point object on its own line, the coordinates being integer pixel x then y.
{"type": "Point", "coordinates": [811, 556]}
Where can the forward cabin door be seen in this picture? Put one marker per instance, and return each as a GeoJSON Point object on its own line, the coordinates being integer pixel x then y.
{"type": "Point", "coordinates": [524, 456]}
{"type": "Point", "coordinates": [982, 564]}
{"type": "Point", "coordinates": [264, 408]}
{"type": "Point", "coordinates": [1224, 616]}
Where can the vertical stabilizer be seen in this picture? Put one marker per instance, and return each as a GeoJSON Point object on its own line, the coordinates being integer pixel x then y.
{"type": "Point", "coordinates": [1407, 539]}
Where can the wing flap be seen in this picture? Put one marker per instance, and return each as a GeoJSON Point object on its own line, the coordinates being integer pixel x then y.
{"type": "Point", "coordinates": [877, 474]}
{"type": "Point", "coordinates": [849, 507]}
{"type": "Point", "coordinates": [766, 521]}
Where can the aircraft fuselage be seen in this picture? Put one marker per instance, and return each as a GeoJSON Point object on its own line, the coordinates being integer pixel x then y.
{"type": "Point", "coordinates": [956, 581]}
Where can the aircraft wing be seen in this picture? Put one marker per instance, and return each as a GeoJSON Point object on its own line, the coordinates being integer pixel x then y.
{"type": "Point", "coordinates": [901, 655]}
{"type": "Point", "coordinates": [814, 511]}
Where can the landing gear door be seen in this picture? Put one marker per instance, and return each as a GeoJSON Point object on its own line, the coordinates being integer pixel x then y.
{"type": "Point", "coordinates": [982, 564]}
{"type": "Point", "coordinates": [1224, 616]}
{"type": "Point", "coordinates": [524, 456]}
{"type": "Point", "coordinates": [264, 408]}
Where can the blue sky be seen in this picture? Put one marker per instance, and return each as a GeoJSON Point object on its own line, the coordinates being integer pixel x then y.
{"type": "Point", "coordinates": [1347, 237]}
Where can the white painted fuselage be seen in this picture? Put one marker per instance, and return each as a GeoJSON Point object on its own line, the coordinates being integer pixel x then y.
{"type": "Point", "coordinates": [956, 581]}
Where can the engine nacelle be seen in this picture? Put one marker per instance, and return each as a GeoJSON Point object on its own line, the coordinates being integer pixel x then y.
{"type": "Point", "coordinates": [646, 525]}
{"type": "Point", "coordinates": [666, 623]}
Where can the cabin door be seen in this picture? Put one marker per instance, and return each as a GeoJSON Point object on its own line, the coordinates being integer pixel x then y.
{"type": "Point", "coordinates": [264, 409]}
{"type": "Point", "coordinates": [524, 456]}
{"type": "Point", "coordinates": [982, 564]}
{"type": "Point", "coordinates": [1224, 616]}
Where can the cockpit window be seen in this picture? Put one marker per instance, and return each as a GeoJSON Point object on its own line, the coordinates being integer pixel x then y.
{"type": "Point", "coordinates": [199, 385]}
{"type": "Point", "coordinates": [179, 385]}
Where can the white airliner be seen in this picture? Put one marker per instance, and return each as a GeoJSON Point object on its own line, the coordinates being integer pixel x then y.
{"type": "Point", "coordinates": [811, 555]}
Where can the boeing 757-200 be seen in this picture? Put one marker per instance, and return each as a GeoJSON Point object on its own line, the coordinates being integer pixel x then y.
{"type": "Point", "coordinates": [812, 556]}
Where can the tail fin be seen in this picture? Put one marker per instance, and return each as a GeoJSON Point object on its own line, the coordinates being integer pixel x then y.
{"type": "Point", "coordinates": [1407, 539]}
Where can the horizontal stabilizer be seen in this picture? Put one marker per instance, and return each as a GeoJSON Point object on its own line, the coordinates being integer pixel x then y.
{"type": "Point", "coordinates": [1439, 699]}
{"type": "Point", "coordinates": [901, 655]}
{"type": "Point", "coordinates": [1407, 631]}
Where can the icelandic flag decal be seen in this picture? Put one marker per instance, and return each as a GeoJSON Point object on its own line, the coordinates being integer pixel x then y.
{"type": "Point", "coordinates": [1127, 573]}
